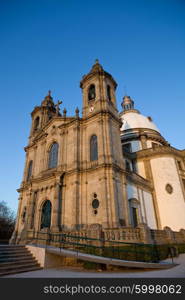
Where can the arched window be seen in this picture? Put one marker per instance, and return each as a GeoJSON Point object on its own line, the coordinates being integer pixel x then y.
{"type": "Point", "coordinates": [109, 92]}
{"type": "Point", "coordinates": [53, 156]}
{"type": "Point", "coordinates": [92, 92]}
{"type": "Point", "coordinates": [30, 166]}
{"type": "Point", "coordinates": [36, 123]}
{"type": "Point", "coordinates": [93, 148]}
{"type": "Point", "coordinates": [46, 215]}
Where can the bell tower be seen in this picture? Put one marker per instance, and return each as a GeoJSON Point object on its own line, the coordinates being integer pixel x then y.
{"type": "Point", "coordinates": [98, 88]}
{"type": "Point", "coordinates": [102, 161]}
{"type": "Point", "coordinates": [42, 114]}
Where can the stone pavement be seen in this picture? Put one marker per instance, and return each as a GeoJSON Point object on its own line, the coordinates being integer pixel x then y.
{"type": "Point", "coordinates": [176, 272]}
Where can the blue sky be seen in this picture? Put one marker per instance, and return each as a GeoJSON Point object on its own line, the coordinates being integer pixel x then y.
{"type": "Point", "coordinates": [51, 44]}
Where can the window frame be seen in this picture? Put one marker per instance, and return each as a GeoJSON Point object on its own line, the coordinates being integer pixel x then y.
{"type": "Point", "coordinates": [44, 204]}
{"type": "Point", "coordinates": [93, 148]}
{"type": "Point", "coordinates": [36, 123]}
{"type": "Point", "coordinates": [29, 170]}
{"type": "Point", "coordinates": [53, 156]}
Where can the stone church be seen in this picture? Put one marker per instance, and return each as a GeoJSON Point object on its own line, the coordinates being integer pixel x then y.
{"type": "Point", "coordinates": [107, 168]}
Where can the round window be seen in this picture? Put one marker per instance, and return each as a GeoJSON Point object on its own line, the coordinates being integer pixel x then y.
{"type": "Point", "coordinates": [169, 188]}
{"type": "Point", "coordinates": [95, 203]}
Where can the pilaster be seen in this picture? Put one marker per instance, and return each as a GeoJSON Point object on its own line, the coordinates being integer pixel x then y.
{"type": "Point", "coordinates": [55, 217]}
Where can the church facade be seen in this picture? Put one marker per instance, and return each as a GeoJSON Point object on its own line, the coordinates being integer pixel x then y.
{"type": "Point", "coordinates": [106, 168]}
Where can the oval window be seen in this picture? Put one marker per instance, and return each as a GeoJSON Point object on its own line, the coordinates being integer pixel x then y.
{"type": "Point", "coordinates": [169, 188]}
{"type": "Point", "coordinates": [95, 203]}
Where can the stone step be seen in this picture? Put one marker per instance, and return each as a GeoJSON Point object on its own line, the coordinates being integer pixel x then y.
{"type": "Point", "coordinates": [16, 271]}
{"type": "Point", "coordinates": [14, 252]}
{"type": "Point", "coordinates": [19, 266]}
{"type": "Point", "coordinates": [18, 262]}
{"type": "Point", "coordinates": [7, 254]}
{"type": "Point", "coordinates": [11, 246]}
{"type": "Point", "coordinates": [4, 256]}
{"type": "Point", "coordinates": [16, 258]}
{"type": "Point", "coordinates": [2, 250]}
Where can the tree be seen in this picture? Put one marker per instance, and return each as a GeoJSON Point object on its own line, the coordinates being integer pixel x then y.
{"type": "Point", "coordinates": [7, 221]}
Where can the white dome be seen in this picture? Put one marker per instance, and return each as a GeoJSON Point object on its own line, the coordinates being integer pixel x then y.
{"type": "Point", "coordinates": [133, 120]}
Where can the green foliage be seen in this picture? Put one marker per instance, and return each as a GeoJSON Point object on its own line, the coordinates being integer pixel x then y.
{"type": "Point", "coordinates": [133, 252]}
{"type": "Point", "coordinates": [91, 265]}
{"type": "Point", "coordinates": [7, 221]}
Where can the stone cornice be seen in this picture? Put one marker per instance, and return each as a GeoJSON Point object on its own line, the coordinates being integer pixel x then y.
{"type": "Point", "coordinates": [90, 75]}
{"type": "Point", "coordinates": [102, 113]}
{"type": "Point", "coordinates": [129, 111]}
{"type": "Point", "coordinates": [40, 137]}
{"type": "Point", "coordinates": [36, 108]}
{"type": "Point", "coordinates": [160, 150]}
{"type": "Point", "coordinates": [35, 140]}
{"type": "Point", "coordinates": [137, 132]}
{"type": "Point", "coordinates": [65, 120]}
{"type": "Point", "coordinates": [138, 180]}
{"type": "Point", "coordinates": [53, 173]}
{"type": "Point", "coordinates": [69, 121]}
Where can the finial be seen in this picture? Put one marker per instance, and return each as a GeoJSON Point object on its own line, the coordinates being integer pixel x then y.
{"type": "Point", "coordinates": [96, 67]}
{"type": "Point", "coordinates": [64, 112]}
{"type": "Point", "coordinates": [57, 107]}
{"type": "Point", "coordinates": [77, 112]}
{"type": "Point", "coordinates": [49, 93]}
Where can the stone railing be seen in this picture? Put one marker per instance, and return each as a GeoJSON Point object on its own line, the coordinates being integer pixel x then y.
{"type": "Point", "coordinates": [123, 235]}
{"type": "Point", "coordinates": [168, 236]}
{"type": "Point", "coordinates": [95, 234]}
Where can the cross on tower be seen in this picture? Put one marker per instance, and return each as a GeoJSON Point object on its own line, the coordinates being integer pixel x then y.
{"type": "Point", "coordinates": [57, 107]}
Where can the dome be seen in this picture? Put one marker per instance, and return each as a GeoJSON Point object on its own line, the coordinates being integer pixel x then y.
{"type": "Point", "coordinates": [133, 119]}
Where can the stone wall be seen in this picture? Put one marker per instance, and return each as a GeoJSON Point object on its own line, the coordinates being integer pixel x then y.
{"type": "Point", "coordinates": [97, 234]}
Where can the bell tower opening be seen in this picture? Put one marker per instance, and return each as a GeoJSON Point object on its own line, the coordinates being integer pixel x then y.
{"type": "Point", "coordinates": [98, 88]}
{"type": "Point", "coordinates": [92, 92]}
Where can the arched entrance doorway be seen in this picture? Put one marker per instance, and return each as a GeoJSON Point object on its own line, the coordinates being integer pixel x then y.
{"type": "Point", "coordinates": [46, 215]}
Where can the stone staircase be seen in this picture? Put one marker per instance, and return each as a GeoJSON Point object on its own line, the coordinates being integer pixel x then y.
{"type": "Point", "coordinates": [16, 259]}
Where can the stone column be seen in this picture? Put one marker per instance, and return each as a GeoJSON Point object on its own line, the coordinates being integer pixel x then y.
{"type": "Point", "coordinates": [31, 206]}
{"type": "Point", "coordinates": [55, 213]}
{"type": "Point", "coordinates": [149, 176]}
{"type": "Point", "coordinates": [15, 233]}
{"type": "Point", "coordinates": [114, 216]}
{"type": "Point", "coordinates": [25, 167]}
{"type": "Point", "coordinates": [43, 160]}
{"type": "Point", "coordinates": [108, 140]}
{"type": "Point", "coordinates": [126, 205]}
{"type": "Point", "coordinates": [144, 142]}
{"type": "Point", "coordinates": [101, 142]}
{"type": "Point", "coordinates": [34, 169]}
{"type": "Point", "coordinates": [145, 234]}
